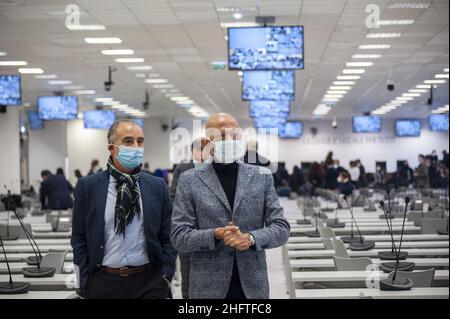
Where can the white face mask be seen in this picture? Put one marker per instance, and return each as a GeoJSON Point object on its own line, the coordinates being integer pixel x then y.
{"type": "Point", "coordinates": [227, 152]}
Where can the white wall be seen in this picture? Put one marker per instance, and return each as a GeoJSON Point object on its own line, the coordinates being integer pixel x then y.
{"type": "Point", "coordinates": [10, 154]}
{"type": "Point", "coordinates": [84, 145]}
{"type": "Point", "coordinates": [47, 150]}
{"type": "Point", "coordinates": [156, 144]}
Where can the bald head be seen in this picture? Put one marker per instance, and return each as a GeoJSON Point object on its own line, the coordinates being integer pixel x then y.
{"type": "Point", "coordinates": [222, 126]}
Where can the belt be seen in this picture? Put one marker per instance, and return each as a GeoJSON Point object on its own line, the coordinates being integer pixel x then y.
{"type": "Point", "coordinates": [127, 271]}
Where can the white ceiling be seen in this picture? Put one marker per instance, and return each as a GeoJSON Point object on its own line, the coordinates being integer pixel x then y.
{"type": "Point", "coordinates": [180, 38]}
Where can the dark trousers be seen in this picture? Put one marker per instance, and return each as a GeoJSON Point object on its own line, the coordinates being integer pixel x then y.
{"type": "Point", "coordinates": [146, 285]}
{"type": "Point", "coordinates": [185, 266]}
{"type": "Point", "coordinates": [235, 291]}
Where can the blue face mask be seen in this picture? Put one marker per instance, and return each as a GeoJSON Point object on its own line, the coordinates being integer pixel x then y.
{"type": "Point", "coordinates": [130, 157]}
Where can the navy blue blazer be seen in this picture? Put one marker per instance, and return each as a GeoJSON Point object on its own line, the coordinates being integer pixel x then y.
{"type": "Point", "coordinates": [88, 238]}
{"type": "Point", "coordinates": [56, 193]}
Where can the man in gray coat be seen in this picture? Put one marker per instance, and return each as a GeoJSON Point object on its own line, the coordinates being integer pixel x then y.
{"type": "Point", "coordinates": [227, 214]}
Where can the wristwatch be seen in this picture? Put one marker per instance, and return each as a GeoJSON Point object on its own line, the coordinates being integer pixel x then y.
{"type": "Point", "coordinates": [252, 240]}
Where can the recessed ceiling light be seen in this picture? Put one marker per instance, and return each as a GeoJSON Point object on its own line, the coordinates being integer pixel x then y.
{"type": "Point", "coordinates": [102, 40]}
{"type": "Point", "coordinates": [374, 46]}
{"type": "Point", "coordinates": [84, 92]}
{"type": "Point", "coordinates": [237, 15]}
{"type": "Point", "coordinates": [333, 96]}
{"type": "Point", "coordinates": [446, 70]}
{"type": "Point", "coordinates": [336, 92]}
{"type": "Point", "coordinates": [330, 100]}
{"type": "Point", "coordinates": [141, 75]}
{"type": "Point", "coordinates": [404, 98]}
{"type": "Point", "coordinates": [353, 71]}
{"type": "Point", "coordinates": [13, 63]}
{"type": "Point", "coordinates": [423, 86]}
{"type": "Point", "coordinates": [412, 94]}
{"type": "Point", "coordinates": [59, 82]}
{"type": "Point", "coordinates": [163, 86]}
{"type": "Point", "coordinates": [358, 64]}
{"type": "Point", "coordinates": [344, 82]}
{"type": "Point", "coordinates": [383, 35]}
{"type": "Point", "coordinates": [348, 77]}
{"type": "Point", "coordinates": [129, 60]}
{"type": "Point", "coordinates": [104, 99]}
{"type": "Point", "coordinates": [2, 53]}
{"type": "Point", "coordinates": [46, 76]}
{"type": "Point", "coordinates": [418, 91]}
{"type": "Point", "coordinates": [366, 56]}
{"type": "Point", "coordinates": [395, 22]}
{"type": "Point", "coordinates": [340, 87]}
{"type": "Point", "coordinates": [238, 24]}
{"type": "Point", "coordinates": [86, 27]}
{"type": "Point", "coordinates": [441, 76]}
{"type": "Point", "coordinates": [139, 68]}
{"type": "Point", "coordinates": [434, 81]}
{"type": "Point", "coordinates": [31, 71]}
{"type": "Point", "coordinates": [184, 102]}
{"type": "Point", "coordinates": [156, 81]}
{"type": "Point", "coordinates": [118, 52]}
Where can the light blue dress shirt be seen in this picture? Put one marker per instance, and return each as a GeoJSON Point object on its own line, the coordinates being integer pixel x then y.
{"type": "Point", "coordinates": [121, 251]}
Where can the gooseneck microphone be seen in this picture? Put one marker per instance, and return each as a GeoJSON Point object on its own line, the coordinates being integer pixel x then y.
{"type": "Point", "coordinates": [349, 239]}
{"type": "Point", "coordinates": [6, 201]}
{"type": "Point", "coordinates": [393, 283]}
{"type": "Point", "coordinates": [335, 223]}
{"type": "Point", "coordinates": [303, 221]}
{"type": "Point", "coordinates": [314, 233]}
{"type": "Point", "coordinates": [11, 287]}
{"type": "Point", "coordinates": [361, 244]}
{"type": "Point", "coordinates": [390, 255]}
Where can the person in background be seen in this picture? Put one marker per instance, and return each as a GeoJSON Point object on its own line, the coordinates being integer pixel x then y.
{"type": "Point", "coordinates": [433, 170]}
{"type": "Point", "coordinates": [421, 174]}
{"type": "Point", "coordinates": [434, 157]}
{"type": "Point", "coordinates": [121, 225]}
{"type": "Point", "coordinates": [345, 184]}
{"type": "Point", "coordinates": [297, 179]}
{"type": "Point", "coordinates": [379, 178]}
{"type": "Point", "coordinates": [227, 214]}
{"type": "Point", "coordinates": [329, 159]}
{"type": "Point", "coordinates": [77, 174]}
{"type": "Point", "coordinates": [316, 175]}
{"type": "Point", "coordinates": [445, 159]}
{"type": "Point", "coordinates": [281, 176]}
{"type": "Point", "coordinates": [201, 150]}
{"type": "Point", "coordinates": [362, 181]}
{"type": "Point", "coordinates": [95, 167]}
{"type": "Point", "coordinates": [253, 157]}
{"type": "Point", "coordinates": [354, 172]}
{"type": "Point", "coordinates": [441, 181]}
{"type": "Point", "coordinates": [146, 168]}
{"type": "Point", "coordinates": [406, 175]}
{"type": "Point", "coordinates": [55, 192]}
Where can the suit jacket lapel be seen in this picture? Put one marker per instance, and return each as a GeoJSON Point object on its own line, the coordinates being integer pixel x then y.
{"type": "Point", "coordinates": [102, 195]}
{"type": "Point", "coordinates": [209, 178]}
{"type": "Point", "coordinates": [243, 182]}
{"type": "Point", "coordinates": [146, 197]}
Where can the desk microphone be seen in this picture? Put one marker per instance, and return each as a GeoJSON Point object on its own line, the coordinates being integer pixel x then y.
{"type": "Point", "coordinates": [6, 202]}
{"type": "Point", "coordinates": [11, 287]}
{"type": "Point", "coordinates": [390, 255]}
{"type": "Point", "coordinates": [349, 239]}
{"type": "Point", "coordinates": [303, 221]}
{"type": "Point", "coordinates": [314, 233]}
{"type": "Point", "coordinates": [336, 223]}
{"type": "Point", "coordinates": [394, 283]}
{"type": "Point", "coordinates": [361, 244]}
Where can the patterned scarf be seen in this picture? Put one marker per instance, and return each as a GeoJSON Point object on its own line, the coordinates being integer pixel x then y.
{"type": "Point", "coordinates": [128, 196]}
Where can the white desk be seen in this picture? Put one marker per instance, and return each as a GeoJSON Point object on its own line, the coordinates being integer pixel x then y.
{"type": "Point", "coordinates": [16, 267]}
{"type": "Point", "coordinates": [357, 293]}
{"type": "Point", "coordinates": [43, 242]}
{"type": "Point", "coordinates": [364, 229]}
{"type": "Point", "coordinates": [57, 282]}
{"type": "Point", "coordinates": [379, 245]}
{"type": "Point", "coordinates": [424, 252]}
{"type": "Point", "coordinates": [19, 257]}
{"type": "Point", "coordinates": [43, 248]}
{"type": "Point", "coordinates": [377, 238]}
{"type": "Point", "coordinates": [51, 235]}
{"type": "Point", "coordinates": [43, 295]}
{"type": "Point", "coordinates": [322, 264]}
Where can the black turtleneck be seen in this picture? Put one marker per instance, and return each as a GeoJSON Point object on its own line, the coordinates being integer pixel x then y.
{"type": "Point", "coordinates": [228, 178]}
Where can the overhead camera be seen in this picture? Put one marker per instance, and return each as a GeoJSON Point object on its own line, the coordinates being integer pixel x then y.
{"type": "Point", "coordinates": [390, 85]}
{"type": "Point", "coordinates": [334, 124]}
{"type": "Point", "coordinates": [108, 84]}
{"type": "Point", "coordinates": [146, 102]}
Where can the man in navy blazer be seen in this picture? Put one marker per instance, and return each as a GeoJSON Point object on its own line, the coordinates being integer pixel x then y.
{"type": "Point", "coordinates": [121, 225]}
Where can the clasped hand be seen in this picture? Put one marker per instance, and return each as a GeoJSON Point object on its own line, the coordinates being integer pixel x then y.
{"type": "Point", "coordinates": [233, 237]}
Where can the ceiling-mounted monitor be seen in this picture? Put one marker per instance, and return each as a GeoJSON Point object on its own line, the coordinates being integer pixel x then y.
{"type": "Point", "coordinates": [58, 107]}
{"type": "Point", "coordinates": [10, 90]}
{"type": "Point", "coordinates": [291, 130]}
{"type": "Point", "coordinates": [366, 124]}
{"type": "Point", "coordinates": [408, 128]}
{"type": "Point", "coordinates": [268, 85]}
{"type": "Point", "coordinates": [268, 122]}
{"type": "Point", "coordinates": [269, 108]}
{"type": "Point", "coordinates": [99, 119]}
{"type": "Point", "coordinates": [266, 48]}
{"type": "Point", "coordinates": [438, 122]}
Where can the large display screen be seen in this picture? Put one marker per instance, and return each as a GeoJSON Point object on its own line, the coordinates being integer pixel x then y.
{"type": "Point", "coordinates": [291, 130]}
{"type": "Point", "coordinates": [10, 90]}
{"type": "Point", "coordinates": [407, 128]}
{"type": "Point", "coordinates": [366, 124]}
{"type": "Point", "coordinates": [269, 122]}
{"type": "Point", "coordinates": [101, 119]}
{"type": "Point", "coordinates": [266, 48]}
{"type": "Point", "coordinates": [438, 123]}
{"type": "Point", "coordinates": [58, 107]}
{"type": "Point", "coordinates": [269, 85]}
{"type": "Point", "coordinates": [34, 121]}
{"type": "Point", "coordinates": [269, 108]}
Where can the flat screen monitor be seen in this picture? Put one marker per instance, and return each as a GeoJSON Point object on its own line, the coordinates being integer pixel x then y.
{"type": "Point", "coordinates": [268, 85]}
{"type": "Point", "coordinates": [438, 122]}
{"type": "Point", "coordinates": [266, 48]}
{"type": "Point", "coordinates": [408, 128]}
{"type": "Point", "coordinates": [269, 108]}
{"type": "Point", "coordinates": [58, 107]}
{"type": "Point", "coordinates": [268, 122]}
{"type": "Point", "coordinates": [99, 119]}
{"type": "Point", "coordinates": [140, 122]}
{"type": "Point", "coordinates": [34, 121]}
{"type": "Point", "coordinates": [10, 90]}
{"type": "Point", "coordinates": [291, 130]}
{"type": "Point", "coordinates": [366, 124]}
